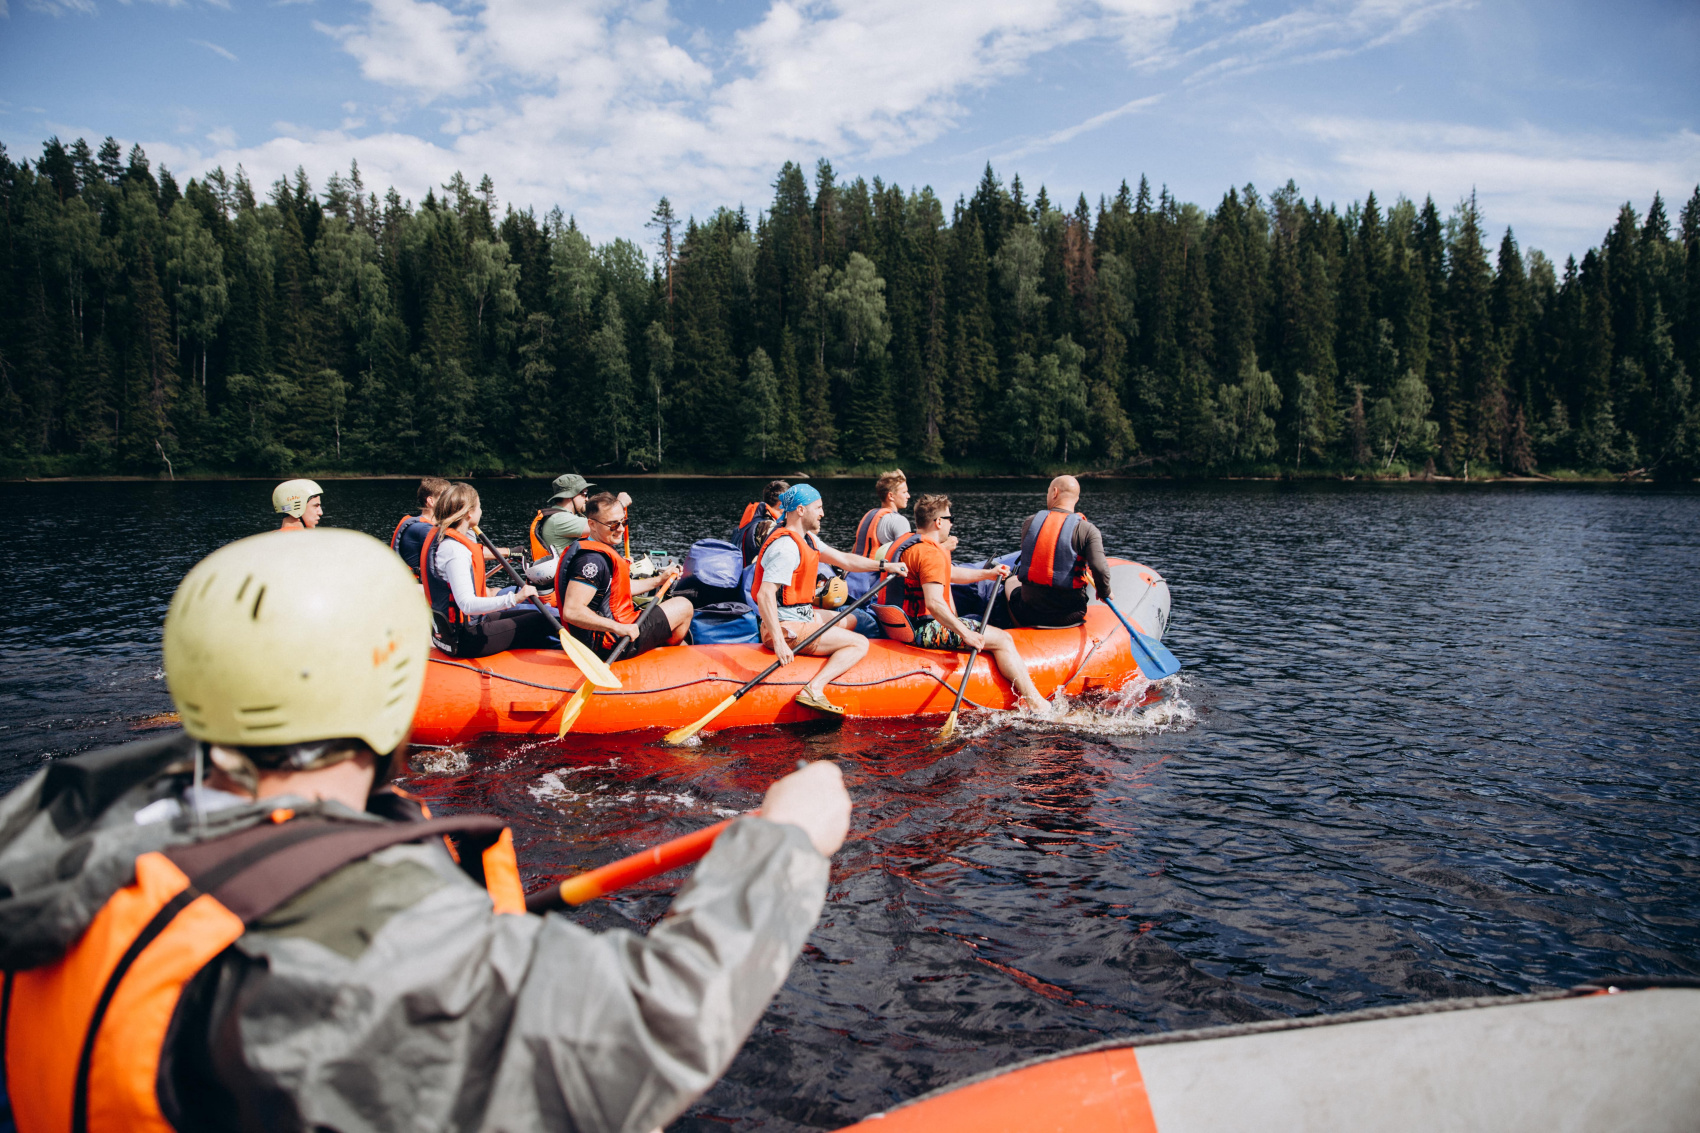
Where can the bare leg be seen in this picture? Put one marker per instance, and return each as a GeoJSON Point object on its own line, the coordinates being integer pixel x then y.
{"type": "Point", "coordinates": [842, 648]}
{"type": "Point", "coordinates": [1014, 668]}
{"type": "Point", "coordinates": [678, 611]}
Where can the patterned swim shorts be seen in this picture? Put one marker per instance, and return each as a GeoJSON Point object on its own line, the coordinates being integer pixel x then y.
{"type": "Point", "coordinates": [932, 634]}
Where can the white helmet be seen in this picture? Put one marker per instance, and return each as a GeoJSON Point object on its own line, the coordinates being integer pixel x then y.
{"type": "Point", "coordinates": [269, 643]}
{"type": "Point", "coordinates": [291, 496]}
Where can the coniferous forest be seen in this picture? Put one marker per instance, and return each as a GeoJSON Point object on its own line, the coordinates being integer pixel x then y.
{"type": "Point", "coordinates": [152, 328]}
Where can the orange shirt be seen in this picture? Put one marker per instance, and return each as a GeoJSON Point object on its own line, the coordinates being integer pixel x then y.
{"type": "Point", "coordinates": [929, 562]}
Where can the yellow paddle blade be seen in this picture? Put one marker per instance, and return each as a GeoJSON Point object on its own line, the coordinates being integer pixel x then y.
{"type": "Point", "coordinates": [949, 728]}
{"type": "Point", "coordinates": [575, 705]}
{"type": "Point", "coordinates": [594, 669]}
{"type": "Point", "coordinates": [680, 735]}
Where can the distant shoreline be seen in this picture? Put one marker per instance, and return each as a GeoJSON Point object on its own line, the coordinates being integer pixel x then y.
{"type": "Point", "coordinates": [1334, 478]}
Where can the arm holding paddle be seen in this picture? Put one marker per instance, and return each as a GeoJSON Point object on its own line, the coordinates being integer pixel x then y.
{"type": "Point", "coordinates": [812, 798]}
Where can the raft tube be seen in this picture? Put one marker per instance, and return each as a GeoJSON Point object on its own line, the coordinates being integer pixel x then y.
{"type": "Point", "coordinates": [1596, 1059]}
{"type": "Point", "coordinates": [522, 692]}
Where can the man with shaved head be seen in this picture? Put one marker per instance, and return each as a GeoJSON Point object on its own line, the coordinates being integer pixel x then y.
{"type": "Point", "coordinates": [1058, 547]}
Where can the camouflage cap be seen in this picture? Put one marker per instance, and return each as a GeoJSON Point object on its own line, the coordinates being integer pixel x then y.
{"type": "Point", "coordinates": [570, 485]}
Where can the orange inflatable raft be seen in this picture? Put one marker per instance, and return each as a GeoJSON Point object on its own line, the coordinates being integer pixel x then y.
{"type": "Point", "coordinates": [523, 692]}
{"type": "Point", "coordinates": [1587, 1060]}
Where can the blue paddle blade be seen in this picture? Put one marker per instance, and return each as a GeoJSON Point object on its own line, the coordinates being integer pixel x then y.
{"type": "Point", "coordinates": [1154, 659]}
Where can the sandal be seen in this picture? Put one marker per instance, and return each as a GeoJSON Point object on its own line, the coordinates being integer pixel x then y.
{"type": "Point", "coordinates": [819, 703]}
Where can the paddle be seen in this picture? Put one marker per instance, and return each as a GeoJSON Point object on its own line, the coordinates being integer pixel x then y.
{"type": "Point", "coordinates": [1152, 656]}
{"type": "Point", "coordinates": [588, 663]}
{"type": "Point", "coordinates": [949, 728]}
{"type": "Point", "coordinates": [640, 866]}
{"type": "Point", "coordinates": [680, 735]}
{"type": "Point", "coordinates": [576, 705]}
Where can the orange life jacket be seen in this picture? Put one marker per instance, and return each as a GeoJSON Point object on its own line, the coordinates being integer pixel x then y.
{"type": "Point", "coordinates": [401, 528]}
{"type": "Point", "coordinates": [753, 515]}
{"type": "Point", "coordinates": [446, 615]}
{"type": "Point", "coordinates": [539, 549]}
{"type": "Point", "coordinates": [867, 532]}
{"type": "Point", "coordinates": [914, 596]}
{"type": "Point", "coordinates": [84, 1036]}
{"type": "Point", "coordinates": [618, 605]}
{"type": "Point", "coordinates": [799, 589]}
{"type": "Point", "coordinates": [1047, 553]}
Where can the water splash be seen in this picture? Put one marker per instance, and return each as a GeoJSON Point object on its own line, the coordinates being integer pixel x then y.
{"type": "Point", "coordinates": [1138, 708]}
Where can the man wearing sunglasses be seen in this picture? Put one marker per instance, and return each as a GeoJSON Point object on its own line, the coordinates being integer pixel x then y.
{"type": "Point", "coordinates": [931, 610]}
{"type": "Point", "coordinates": [594, 592]}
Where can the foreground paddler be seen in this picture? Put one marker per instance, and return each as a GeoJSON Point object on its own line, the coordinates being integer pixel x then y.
{"type": "Point", "coordinates": [784, 588]}
{"type": "Point", "coordinates": [287, 945]}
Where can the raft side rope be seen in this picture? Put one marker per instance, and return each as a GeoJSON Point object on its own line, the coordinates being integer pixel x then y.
{"type": "Point", "coordinates": [705, 680]}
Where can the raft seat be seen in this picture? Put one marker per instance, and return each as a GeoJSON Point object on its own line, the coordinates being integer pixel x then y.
{"type": "Point", "coordinates": [894, 623]}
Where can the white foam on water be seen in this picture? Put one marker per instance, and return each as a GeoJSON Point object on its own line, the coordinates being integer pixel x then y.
{"type": "Point", "coordinates": [439, 761]}
{"type": "Point", "coordinates": [1124, 712]}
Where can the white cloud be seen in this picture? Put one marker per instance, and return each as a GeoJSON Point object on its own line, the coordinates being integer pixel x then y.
{"type": "Point", "coordinates": [603, 106]}
{"type": "Point", "coordinates": [61, 7]}
{"type": "Point", "coordinates": [215, 49]}
{"type": "Point", "coordinates": [1558, 191]}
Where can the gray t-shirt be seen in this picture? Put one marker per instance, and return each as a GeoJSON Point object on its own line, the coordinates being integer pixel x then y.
{"type": "Point", "coordinates": [556, 531]}
{"type": "Point", "coordinates": [893, 526]}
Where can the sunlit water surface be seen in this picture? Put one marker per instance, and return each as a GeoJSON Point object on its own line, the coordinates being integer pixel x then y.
{"type": "Point", "coordinates": [1432, 741]}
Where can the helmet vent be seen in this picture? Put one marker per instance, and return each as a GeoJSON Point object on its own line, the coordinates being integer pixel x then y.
{"type": "Point", "coordinates": [243, 589]}
{"type": "Point", "coordinates": [253, 708]}
{"type": "Point", "coordinates": [258, 598]}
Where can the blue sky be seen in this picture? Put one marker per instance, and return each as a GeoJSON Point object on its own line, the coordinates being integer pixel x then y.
{"type": "Point", "coordinates": [1554, 113]}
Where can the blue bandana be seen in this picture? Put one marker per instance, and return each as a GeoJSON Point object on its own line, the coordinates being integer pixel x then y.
{"type": "Point", "coordinates": [800, 495]}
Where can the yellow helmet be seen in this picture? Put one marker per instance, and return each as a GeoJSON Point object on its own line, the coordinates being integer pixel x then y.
{"type": "Point", "coordinates": [276, 640]}
{"type": "Point", "coordinates": [832, 593]}
{"type": "Point", "coordinates": [291, 496]}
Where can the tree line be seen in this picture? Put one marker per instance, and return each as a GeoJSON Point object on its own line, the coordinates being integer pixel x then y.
{"type": "Point", "coordinates": [149, 327]}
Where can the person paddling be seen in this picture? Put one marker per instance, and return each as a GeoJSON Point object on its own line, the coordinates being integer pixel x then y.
{"type": "Point", "coordinates": [409, 535]}
{"type": "Point", "coordinates": [784, 587]}
{"type": "Point", "coordinates": [300, 502]}
{"type": "Point", "coordinates": [239, 926]}
{"type": "Point", "coordinates": [759, 519]}
{"type": "Point", "coordinates": [594, 590]}
{"type": "Point", "coordinates": [1058, 547]}
{"type": "Point", "coordinates": [932, 611]}
{"type": "Point", "coordinates": [467, 620]}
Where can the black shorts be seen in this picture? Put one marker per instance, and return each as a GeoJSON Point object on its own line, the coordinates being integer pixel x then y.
{"type": "Point", "coordinates": [652, 632]}
{"type": "Point", "coordinates": [1033, 605]}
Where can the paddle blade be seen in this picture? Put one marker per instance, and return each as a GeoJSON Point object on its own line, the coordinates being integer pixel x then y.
{"type": "Point", "coordinates": [1155, 660]}
{"type": "Point", "coordinates": [594, 669]}
{"type": "Point", "coordinates": [575, 705]}
{"type": "Point", "coordinates": [680, 735]}
{"type": "Point", "coordinates": [949, 728]}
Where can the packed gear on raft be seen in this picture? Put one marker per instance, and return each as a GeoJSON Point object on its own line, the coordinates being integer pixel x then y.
{"type": "Point", "coordinates": [1059, 546]}
{"type": "Point", "coordinates": [241, 926]}
{"type": "Point", "coordinates": [784, 586]}
{"type": "Point", "coordinates": [466, 619]}
{"type": "Point", "coordinates": [930, 607]}
{"type": "Point", "coordinates": [595, 590]}
{"type": "Point", "coordinates": [300, 502]}
{"type": "Point", "coordinates": [759, 519]}
{"type": "Point", "coordinates": [408, 538]}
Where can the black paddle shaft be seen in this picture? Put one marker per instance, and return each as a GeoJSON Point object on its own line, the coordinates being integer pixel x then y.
{"type": "Point", "coordinates": [985, 623]}
{"type": "Point", "coordinates": [620, 647]}
{"type": "Point", "coordinates": [522, 583]}
{"type": "Point", "coordinates": [840, 616]}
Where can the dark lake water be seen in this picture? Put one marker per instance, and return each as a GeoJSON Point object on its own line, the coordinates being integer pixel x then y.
{"type": "Point", "coordinates": [1432, 741]}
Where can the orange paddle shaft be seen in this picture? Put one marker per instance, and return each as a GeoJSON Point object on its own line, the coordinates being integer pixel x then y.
{"type": "Point", "coordinates": [640, 866]}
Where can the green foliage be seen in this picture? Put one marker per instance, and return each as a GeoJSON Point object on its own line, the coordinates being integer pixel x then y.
{"type": "Point", "coordinates": [212, 329]}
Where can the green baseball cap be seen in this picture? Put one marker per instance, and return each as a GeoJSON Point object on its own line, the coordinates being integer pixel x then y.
{"type": "Point", "coordinates": [570, 485]}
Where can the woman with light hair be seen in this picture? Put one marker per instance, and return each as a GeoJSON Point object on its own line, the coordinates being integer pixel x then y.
{"type": "Point", "coordinates": [467, 620]}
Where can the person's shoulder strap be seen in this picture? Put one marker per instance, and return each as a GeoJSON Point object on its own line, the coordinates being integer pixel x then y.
{"type": "Point", "coordinates": [255, 870]}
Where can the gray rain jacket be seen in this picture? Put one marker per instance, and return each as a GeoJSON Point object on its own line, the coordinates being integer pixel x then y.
{"type": "Point", "coordinates": [390, 995]}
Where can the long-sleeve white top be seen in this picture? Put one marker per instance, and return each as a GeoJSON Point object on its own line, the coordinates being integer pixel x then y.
{"type": "Point", "coordinates": [455, 561]}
